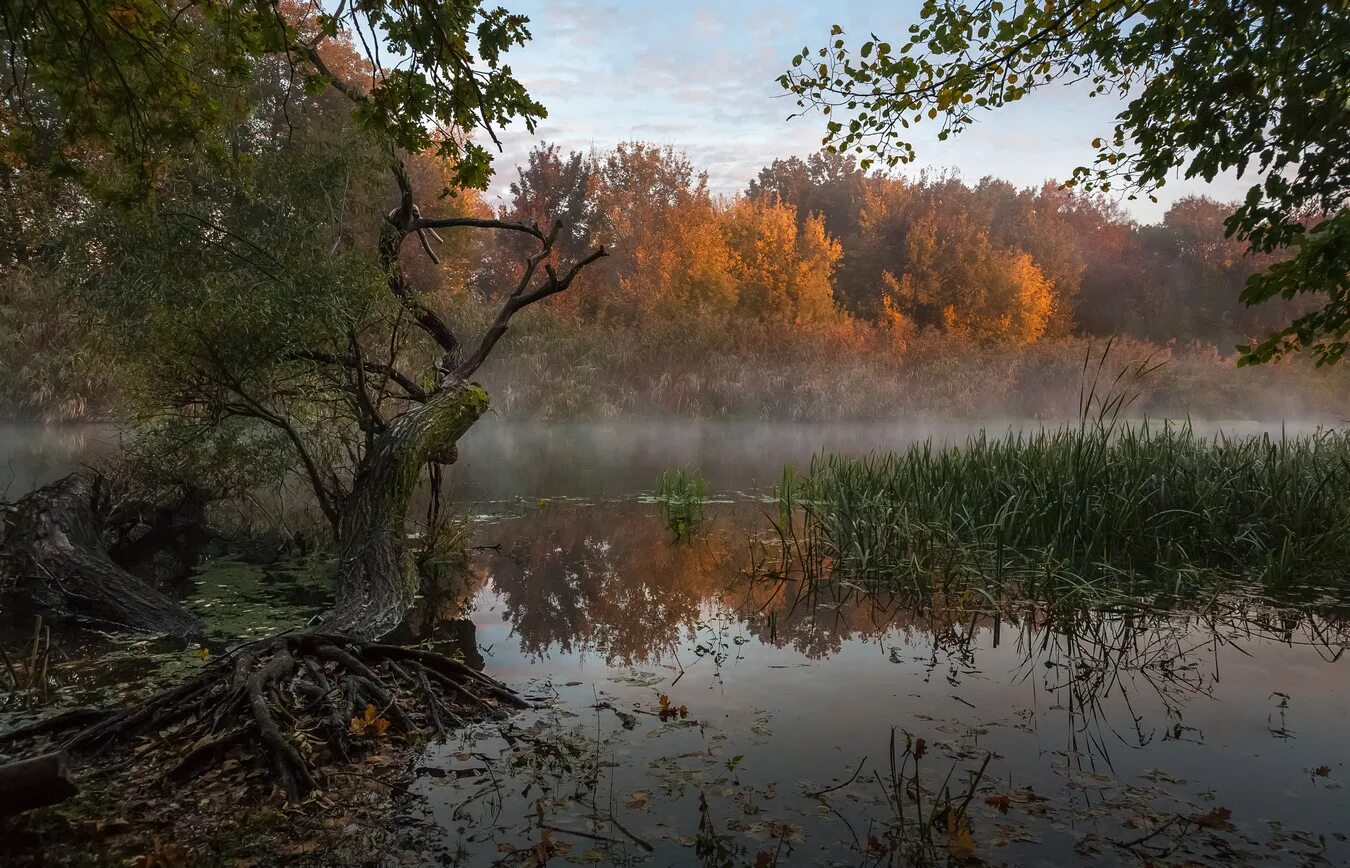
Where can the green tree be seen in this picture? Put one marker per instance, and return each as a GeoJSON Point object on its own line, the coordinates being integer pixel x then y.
{"type": "Point", "coordinates": [145, 81]}
{"type": "Point", "coordinates": [255, 194]}
{"type": "Point", "coordinates": [1207, 87]}
{"type": "Point", "coordinates": [246, 257]}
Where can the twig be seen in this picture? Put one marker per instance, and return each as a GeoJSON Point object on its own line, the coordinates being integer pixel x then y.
{"type": "Point", "coordinates": [1156, 832]}
{"type": "Point", "coordinates": [620, 826]}
{"type": "Point", "coordinates": [580, 834]}
{"type": "Point", "coordinates": [818, 793]}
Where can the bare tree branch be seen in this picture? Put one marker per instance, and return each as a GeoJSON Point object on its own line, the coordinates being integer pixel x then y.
{"type": "Point", "coordinates": [413, 391]}
{"type": "Point", "coordinates": [326, 496]}
{"type": "Point", "coordinates": [476, 223]}
{"type": "Point", "coordinates": [522, 297]}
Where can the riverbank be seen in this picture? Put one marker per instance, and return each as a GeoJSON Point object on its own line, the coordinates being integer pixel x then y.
{"type": "Point", "coordinates": [554, 369]}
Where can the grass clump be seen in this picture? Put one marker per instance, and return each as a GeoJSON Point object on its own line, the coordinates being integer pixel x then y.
{"type": "Point", "coordinates": [1097, 505]}
{"type": "Point", "coordinates": [683, 495]}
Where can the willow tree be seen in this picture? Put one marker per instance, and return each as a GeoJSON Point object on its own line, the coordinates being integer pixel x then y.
{"type": "Point", "coordinates": [1207, 86]}
{"type": "Point", "coordinates": [245, 235]}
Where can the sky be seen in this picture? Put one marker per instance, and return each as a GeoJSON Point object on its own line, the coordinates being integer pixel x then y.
{"type": "Point", "coordinates": [703, 77]}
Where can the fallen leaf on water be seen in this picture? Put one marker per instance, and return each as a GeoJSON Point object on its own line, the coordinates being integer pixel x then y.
{"type": "Point", "coordinates": [1001, 801]}
{"type": "Point", "coordinates": [1322, 771]}
{"type": "Point", "coordinates": [1215, 819]}
{"type": "Point", "coordinates": [960, 842]}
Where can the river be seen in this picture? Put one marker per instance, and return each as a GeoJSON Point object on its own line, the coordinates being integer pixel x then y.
{"type": "Point", "coordinates": [690, 713]}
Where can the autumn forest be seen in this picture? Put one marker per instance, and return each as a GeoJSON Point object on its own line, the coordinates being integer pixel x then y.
{"type": "Point", "coordinates": [436, 433]}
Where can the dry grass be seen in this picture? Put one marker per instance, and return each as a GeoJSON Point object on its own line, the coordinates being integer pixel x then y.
{"type": "Point", "coordinates": [552, 368]}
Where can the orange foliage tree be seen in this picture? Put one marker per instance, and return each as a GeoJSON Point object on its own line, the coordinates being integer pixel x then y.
{"type": "Point", "coordinates": [784, 270]}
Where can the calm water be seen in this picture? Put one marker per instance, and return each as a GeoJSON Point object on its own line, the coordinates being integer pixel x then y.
{"type": "Point", "coordinates": [1056, 741]}
{"type": "Point", "coordinates": [1099, 731]}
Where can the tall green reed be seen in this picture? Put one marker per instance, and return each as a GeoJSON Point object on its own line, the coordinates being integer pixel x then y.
{"type": "Point", "coordinates": [683, 495]}
{"type": "Point", "coordinates": [1102, 504]}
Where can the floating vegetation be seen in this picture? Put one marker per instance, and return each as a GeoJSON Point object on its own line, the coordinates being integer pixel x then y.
{"type": "Point", "coordinates": [1121, 508]}
{"type": "Point", "coordinates": [241, 600]}
{"type": "Point", "coordinates": [683, 495]}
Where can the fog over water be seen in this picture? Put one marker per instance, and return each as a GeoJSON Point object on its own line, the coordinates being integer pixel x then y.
{"type": "Point", "coordinates": [594, 459]}
{"type": "Point", "coordinates": [502, 459]}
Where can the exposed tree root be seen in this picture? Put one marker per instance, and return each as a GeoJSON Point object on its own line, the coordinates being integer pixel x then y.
{"type": "Point", "coordinates": [297, 702]}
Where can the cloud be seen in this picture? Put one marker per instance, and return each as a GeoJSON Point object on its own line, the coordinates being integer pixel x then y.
{"type": "Point", "coordinates": [704, 78]}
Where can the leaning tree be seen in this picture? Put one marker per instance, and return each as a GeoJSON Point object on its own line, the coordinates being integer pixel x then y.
{"type": "Point", "coordinates": [1206, 86]}
{"type": "Point", "coordinates": [258, 181]}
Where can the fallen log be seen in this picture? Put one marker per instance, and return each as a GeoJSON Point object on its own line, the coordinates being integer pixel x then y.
{"type": "Point", "coordinates": [35, 783]}
{"type": "Point", "coordinates": [53, 551]}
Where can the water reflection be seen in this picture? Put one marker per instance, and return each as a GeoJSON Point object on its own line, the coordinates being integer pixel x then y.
{"type": "Point", "coordinates": [1098, 726]}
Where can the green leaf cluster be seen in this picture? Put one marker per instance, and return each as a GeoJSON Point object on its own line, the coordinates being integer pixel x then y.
{"type": "Point", "coordinates": [140, 84]}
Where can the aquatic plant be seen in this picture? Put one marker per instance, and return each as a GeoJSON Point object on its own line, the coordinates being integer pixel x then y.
{"type": "Point", "coordinates": [1099, 503]}
{"type": "Point", "coordinates": [683, 495]}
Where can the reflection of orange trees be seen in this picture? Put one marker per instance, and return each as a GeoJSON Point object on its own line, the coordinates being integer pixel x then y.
{"type": "Point", "coordinates": [607, 579]}
{"type": "Point", "coordinates": [817, 618]}
{"type": "Point", "coordinates": [443, 609]}
{"type": "Point", "coordinates": [602, 579]}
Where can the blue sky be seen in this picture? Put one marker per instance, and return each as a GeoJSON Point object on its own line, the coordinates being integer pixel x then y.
{"type": "Point", "coordinates": [702, 76]}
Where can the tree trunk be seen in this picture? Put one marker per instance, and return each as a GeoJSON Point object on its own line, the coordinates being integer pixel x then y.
{"type": "Point", "coordinates": [35, 783]}
{"type": "Point", "coordinates": [53, 549]}
{"type": "Point", "coordinates": [377, 579]}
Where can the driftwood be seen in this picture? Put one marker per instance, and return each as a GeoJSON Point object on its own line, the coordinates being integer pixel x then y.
{"type": "Point", "coordinates": [35, 783]}
{"type": "Point", "coordinates": [54, 552]}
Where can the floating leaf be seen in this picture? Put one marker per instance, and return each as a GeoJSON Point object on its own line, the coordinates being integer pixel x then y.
{"type": "Point", "coordinates": [1215, 819]}
{"type": "Point", "coordinates": [1000, 801]}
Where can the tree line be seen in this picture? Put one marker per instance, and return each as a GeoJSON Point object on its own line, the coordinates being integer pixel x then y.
{"type": "Point", "coordinates": [818, 240]}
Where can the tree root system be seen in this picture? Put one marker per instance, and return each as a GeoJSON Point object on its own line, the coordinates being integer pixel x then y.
{"type": "Point", "coordinates": [296, 703]}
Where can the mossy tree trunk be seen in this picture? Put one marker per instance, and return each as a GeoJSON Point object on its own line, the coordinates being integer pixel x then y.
{"type": "Point", "coordinates": [376, 578]}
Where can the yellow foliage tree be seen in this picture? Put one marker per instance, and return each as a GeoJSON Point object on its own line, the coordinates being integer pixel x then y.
{"type": "Point", "coordinates": [783, 271]}
{"type": "Point", "coordinates": [958, 280]}
{"type": "Point", "coordinates": [686, 266]}
{"type": "Point", "coordinates": [1014, 302]}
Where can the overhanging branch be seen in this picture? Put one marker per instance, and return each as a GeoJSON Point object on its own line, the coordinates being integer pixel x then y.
{"type": "Point", "coordinates": [523, 296]}
{"type": "Point", "coordinates": [410, 388]}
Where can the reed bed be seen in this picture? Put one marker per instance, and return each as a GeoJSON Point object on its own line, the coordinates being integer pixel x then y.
{"type": "Point", "coordinates": [683, 495]}
{"type": "Point", "coordinates": [1138, 509]}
